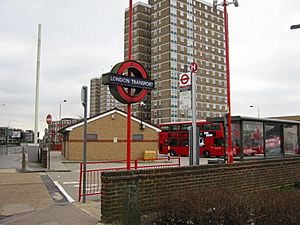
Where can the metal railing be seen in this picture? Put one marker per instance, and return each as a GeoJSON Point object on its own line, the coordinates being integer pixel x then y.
{"type": "Point", "coordinates": [93, 174]}
{"type": "Point", "coordinates": [6, 149]}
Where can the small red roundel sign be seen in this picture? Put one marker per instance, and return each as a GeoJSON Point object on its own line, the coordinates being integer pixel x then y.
{"type": "Point", "coordinates": [49, 119]}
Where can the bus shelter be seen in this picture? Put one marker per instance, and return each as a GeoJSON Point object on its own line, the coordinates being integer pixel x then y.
{"type": "Point", "coordinates": [261, 138]}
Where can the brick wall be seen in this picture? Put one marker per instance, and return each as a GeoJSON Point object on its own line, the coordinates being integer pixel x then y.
{"type": "Point", "coordinates": [161, 183]}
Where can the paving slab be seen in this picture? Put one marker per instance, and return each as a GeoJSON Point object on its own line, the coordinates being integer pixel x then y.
{"type": "Point", "coordinates": [20, 193]}
{"type": "Point", "coordinates": [58, 214]}
{"type": "Point", "coordinates": [91, 207]}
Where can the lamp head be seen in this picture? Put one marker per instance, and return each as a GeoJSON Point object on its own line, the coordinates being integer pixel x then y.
{"type": "Point", "coordinates": [235, 2]}
{"type": "Point", "coordinates": [295, 27]}
{"type": "Point", "coordinates": [84, 96]}
{"type": "Point", "coordinates": [215, 3]}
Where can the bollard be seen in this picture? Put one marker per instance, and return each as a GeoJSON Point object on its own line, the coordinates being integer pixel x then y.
{"type": "Point", "coordinates": [135, 164]}
{"type": "Point", "coordinates": [131, 207]}
{"type": "Point", "coordinates": [23, 159]}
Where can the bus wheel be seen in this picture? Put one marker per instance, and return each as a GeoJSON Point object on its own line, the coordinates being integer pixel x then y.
{"type": "Point", "coordinates": [173, 153]}
{"type": "Point", "coordinates": [206, 154]}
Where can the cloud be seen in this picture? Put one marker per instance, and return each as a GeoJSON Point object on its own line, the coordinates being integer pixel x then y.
{"type": "Point", "coordinates": [83, 39]}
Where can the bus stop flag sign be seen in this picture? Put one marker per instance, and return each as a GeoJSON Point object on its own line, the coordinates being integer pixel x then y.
{"type": "Point", "coordinates": [194, 67]}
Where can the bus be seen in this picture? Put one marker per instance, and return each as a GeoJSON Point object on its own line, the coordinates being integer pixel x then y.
{"type": "Point", "coordinates": [174, 137]}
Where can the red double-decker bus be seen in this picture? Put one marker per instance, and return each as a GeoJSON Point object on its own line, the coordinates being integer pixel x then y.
{"type": "Point", "coordinates": [174, 137]}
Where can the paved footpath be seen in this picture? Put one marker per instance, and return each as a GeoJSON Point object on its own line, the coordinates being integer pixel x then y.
{"type": "Point", "coordinates": [26, 200]}
{"type": "Point", "coordinates": [32, 198]}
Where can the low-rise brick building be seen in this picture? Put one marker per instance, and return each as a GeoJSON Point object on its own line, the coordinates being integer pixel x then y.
{"type": "Point", "coordinates": [107, 137]}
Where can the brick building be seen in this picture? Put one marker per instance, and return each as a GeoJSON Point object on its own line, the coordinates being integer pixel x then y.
{"type": "Point", "coordinates": [101, 100]}
{"type": "Point", "coordinates": [95, 96]}
{"type": "Point", "coordinates": [56, 137]}
{"type": "Point", "coordinates": [107, 137]}
{"type": "Point", "coordinates": [173, 34]}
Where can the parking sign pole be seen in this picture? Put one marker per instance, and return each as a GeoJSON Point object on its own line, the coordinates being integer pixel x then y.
{"type": "Point", "coordinates": [49, 121]}
{"type": "Point", "coordinates": [195, 151]}
{"type": "Point", "coordinates": [49, 149]}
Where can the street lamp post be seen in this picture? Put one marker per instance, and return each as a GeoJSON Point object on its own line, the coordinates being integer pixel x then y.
{"type": "Point", "coordinates": [142, 104]}
{"type": "Point", "coordinates": [225, 4]}
{"type": "Point", "coordinates": [84, 103]}
{"type": "Point", "coordinates": [65, 100]}
{"type": "Point", "coordinates": [258, 110]}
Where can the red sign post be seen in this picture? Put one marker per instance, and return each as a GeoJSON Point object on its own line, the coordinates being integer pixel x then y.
{"type": "Point", "coordinates": [49, 121]}
{"type": "Point", "coordinates": [130, 88]}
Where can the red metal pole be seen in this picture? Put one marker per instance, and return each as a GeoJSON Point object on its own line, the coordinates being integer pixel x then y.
{"type": "Point", "coordinates": [229, 148]}
{"type": "Point", "coordinates": [130, 31]}
{"type": "Point", "coordinates": [80, 182]}
{"type": "Point", "coordinates": [129, 105]}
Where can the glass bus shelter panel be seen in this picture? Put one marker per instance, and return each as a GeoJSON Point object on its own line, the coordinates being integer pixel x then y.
{"type": "Point", "coordinates": [253, 139]}
{"type": "Point", "coordinates": [290, 134]}
{"type": "Point", "coordinates": [236, 138]}
{"type": "Point", "coordinates": [273, 140]}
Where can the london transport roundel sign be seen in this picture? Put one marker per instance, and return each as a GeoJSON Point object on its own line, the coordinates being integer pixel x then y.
{"type": "Point", "coordinates": [49, 119]}
{"type": "Point", "coordinates": [128, 82]}
{"type": "Point", "coordinates": [184, 80]}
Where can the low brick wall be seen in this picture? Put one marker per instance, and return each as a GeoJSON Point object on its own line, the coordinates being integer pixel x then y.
{"type": "Point", "coordinates": [161, 183]}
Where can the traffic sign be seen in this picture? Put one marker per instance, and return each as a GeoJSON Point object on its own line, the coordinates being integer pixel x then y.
{"type": "Point", "coordinates": [194, 67]}
{"type": "Point", "coordinates": [49, 119]}
{"type": "Point", "coordinates": [184, 80]}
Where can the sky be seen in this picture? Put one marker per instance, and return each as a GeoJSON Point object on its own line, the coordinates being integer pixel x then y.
{"type": "Point", "coordinates": [81, 39]}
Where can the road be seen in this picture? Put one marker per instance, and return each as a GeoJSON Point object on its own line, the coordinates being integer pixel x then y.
{"type": "Point", "coordinates": [70, 180]}
{"type": "Point", "coordinates": [66, 173]}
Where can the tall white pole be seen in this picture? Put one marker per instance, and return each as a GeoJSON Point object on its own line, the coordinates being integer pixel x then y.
{"type": "Point", "coordinates": [194, 128]}
{"type": "Point", "coordinates": [37, 86]}
{"type": "Point", "coordinates": [59, 114]}
{"type": "Point", "coordinates": [195, 146]}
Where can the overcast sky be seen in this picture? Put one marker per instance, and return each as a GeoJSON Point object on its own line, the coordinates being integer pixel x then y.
{"type": "Point", "coordinates": [81, 39]}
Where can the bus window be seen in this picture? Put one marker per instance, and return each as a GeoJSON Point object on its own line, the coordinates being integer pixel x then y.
{"type": "Point", "coordinates": [218, 142]}
{"type": "Point", "coordinates": [185, 142]}
{"type": "Point", "coordinates": [185, 126]}
{"type": "Point", "coordinates": [215, 126]}
{"type": "Point", "coordinates": [207, 126]}
{"type": "Point", "coordinates": [173, 142]}
{"type": "Point", "coordinates": [164, 128]}
{"type": "Point", "coordinates": [200, 126]}
{"type": "Point", "coordinates": [173, 127]}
